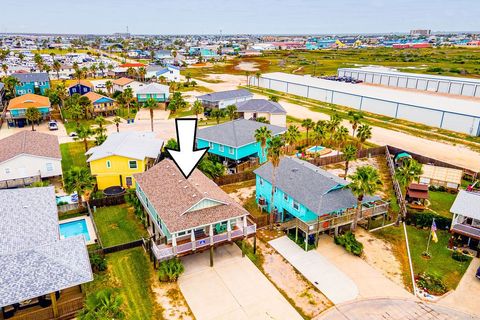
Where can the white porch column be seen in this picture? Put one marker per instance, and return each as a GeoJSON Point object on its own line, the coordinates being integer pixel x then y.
{"type": "Point", "coordinates": [210, 233]}
{"type": "Point", "coordinates": [174, 243]}
{"type": "Point", "coordinates": [229, 230]}
{"type": "Point", "coordinates": [245, 225]}
{"type": "Point", "coordinates": [192, 239]}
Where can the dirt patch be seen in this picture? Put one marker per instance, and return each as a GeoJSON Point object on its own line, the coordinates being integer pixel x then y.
{"type": "Point", "coordinates": [247, 66]}
{"type": "Point", "coordinates": [379, 254]}
{"type": "Point", "coordinates": [169, 296]}
{"type": "Point", "coordinates": [299, 291]}
{"type": "Point", "coordinates": [242, 194]}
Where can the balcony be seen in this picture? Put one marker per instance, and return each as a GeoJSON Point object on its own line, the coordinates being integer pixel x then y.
{"type": "Point", "coordinates": [165, 252]}
{"type": "Point", "coordinates": [466, 230]}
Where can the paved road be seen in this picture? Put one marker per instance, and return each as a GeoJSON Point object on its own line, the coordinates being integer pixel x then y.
{"type": "Point", "coordinates": [333, 283]}
{"type": "Point", "coordinates": [233, 289]}
{"type": "Point", "coordinates": [394, 309]}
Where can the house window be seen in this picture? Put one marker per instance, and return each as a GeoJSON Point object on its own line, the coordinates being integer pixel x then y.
{"type": "Point", "coordinates": [109, 164]}
{"type": "Point", "coordinates": [49, 166]}
{"type": "Point", "coordinates": [132, 164]}
{"type": "Point", "coordinates": [231, 150]}
{"type": "Point", "coordinates": [210, 145]}
{"type": "Point", "coordinates": [261, 181]}
{"type": "Point", "coordinates": [296, 206]}
{"type": "Point", "coordinates": [220, 148]}
{"type": "Point", "coordinates": [285, 197]}
{"type": "Point", "coordinates": [129, 181]}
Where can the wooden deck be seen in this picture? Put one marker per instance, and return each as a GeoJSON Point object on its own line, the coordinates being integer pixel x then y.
{"type": "Point", "coordinates": [69, 303]}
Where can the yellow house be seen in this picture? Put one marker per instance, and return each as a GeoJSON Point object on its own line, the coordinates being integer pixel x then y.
{"type": "Point", "coordinates": [123, 153]}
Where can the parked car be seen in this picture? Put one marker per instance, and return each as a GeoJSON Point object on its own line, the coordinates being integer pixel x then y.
{"type": "Point", "coordinates": [73, 134]}
{"type": "Point", "coordinates": [52, 125]}
{"type": "Point", "coordinates": [478, 273]}
{"type": "Point", "coordinates": [101, 86]}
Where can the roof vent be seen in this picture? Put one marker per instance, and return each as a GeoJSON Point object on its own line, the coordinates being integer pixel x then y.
{"type": "Point", "coordinates": [179, 181]}
{"type": "Point", "coordinates": [185, 187]}
{"type": "Point", "coordinates": [194, 195]}
{"type": "Point", "coordinates": [294, 169]}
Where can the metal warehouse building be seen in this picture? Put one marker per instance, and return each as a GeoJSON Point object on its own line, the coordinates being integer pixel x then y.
{"type": "Point", "coordinates": [460, 114]}
{"type": "Point", "coordinates": [426, 82]}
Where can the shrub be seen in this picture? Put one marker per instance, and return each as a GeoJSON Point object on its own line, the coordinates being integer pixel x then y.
{"type": "Point", "coordinates": [98, 262]}
{"type": "Point", "coordinates": [424, 219]}
{"type": "Point", "coordinates": [170, 270]}
{"type": "Point", "coordinates": [459, 256]}
{"type": "Point", "coordinates": [103, 304]}
{"type": "Point", "coordinates": [349, 242]}
{"type": "Point", "coordinates": [431, 283]}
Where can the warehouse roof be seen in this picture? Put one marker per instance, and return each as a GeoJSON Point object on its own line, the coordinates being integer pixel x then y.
{"type": "Point", "coordinates": [32, 76]}
{"type": "Point", "coordinates": [440, 103]}
{"type": "Point", "coordinates": [225, 95]}
{"type": "Point", "coordinates": [389, 71]}
{"type": "Point", "coordinates": [235, 133]}
{"type": "Point", "coordinates": [260, 105]}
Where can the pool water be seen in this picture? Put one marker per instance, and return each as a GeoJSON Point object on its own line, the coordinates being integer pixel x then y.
{"type": "Point", "coordinates": [315, 149]}
{"type": "Point", "coordinates": [74, 228]}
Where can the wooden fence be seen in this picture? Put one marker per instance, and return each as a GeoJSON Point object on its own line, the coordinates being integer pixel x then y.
{"type": "Point", "coordinates": [396, 185]}
{"type": "Point", "coordinates": [260, 221]}
{"type": "Point", "coordinates": [235, 178]}
{"type": "Point", "coordinates": [108, 201]}
{"type": "Point", "coordinates": [371, 152]}
{"type": "Point", "coordinates": [123, 246]}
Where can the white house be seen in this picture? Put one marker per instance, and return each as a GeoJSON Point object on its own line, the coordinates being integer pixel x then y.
{"type": "Point", "coordinates": [170, 73]}
{"type": "Point", "coordinates": [28, 156]}
{"type": "Point", "coordinates": [124, 83]}
{"type": "Point", "coordinates": [222, 99]}
{"type": "Point", "coordinates": [253, 109]}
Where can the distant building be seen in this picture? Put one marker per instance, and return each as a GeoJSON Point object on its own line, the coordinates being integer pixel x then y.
{"type": "Point", "coordinates": [32, 83]}
{"type": "Point", "coordinates": [81, 87]}
{"type": "Point", "coordinates": [169, 73]}
{"type": "Point", "coordinates": [253, 109]}
{"type": "Point", "coordinates": [421, 32]}
{"type": "Point", "coordinates": [222, 99]}
{"type": "Point", "coordinates": [158, 92]}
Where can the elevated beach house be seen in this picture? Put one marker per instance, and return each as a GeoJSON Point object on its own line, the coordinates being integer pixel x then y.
{"type": "Point", "coordinates": [114, 162]}
{"type": "Point", "coordinates": [234, 141]}
{"type": "Point", "coordinates": [102, 105]}
{"type": "Point", "coordinates": [41, 274]}
{"type": "Point", "coordinates": [466, 219]}
{"type": "Point", "coordinates": [159, 92]}
{"type": "Point", "coordinates": [31, 82]}
{"type": "Point", "coordinates": [188, 215]}
{"type": "Point", "coordinates": [253, 109]}
{"type": "Point", "coordinates": [17, 107]}
{"type": "Point", "coordinates": [222, 99]}
{"type": "Point", "coordinates": [310, 199]}
{"type": "Point", "coordinates": [81, 87]}
{"type": "Point", "coordinates": [29, 156]}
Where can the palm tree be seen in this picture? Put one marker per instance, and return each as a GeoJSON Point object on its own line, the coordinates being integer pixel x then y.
{"type": "Point", "coordinates": [197, 108]}
{"type": "Point", "coordinates": [247, 74]}
{"type": "Point", "coordinates": [355, 118]}
{"type": "Point", "coordinates": [57, 66]}
{"type": "Point", "coordinates": [258, 75]}
{"type": "Point", "coordinates": [340, 136]}
{"type": "Point", "coordinates": [273, 98]}
{"type": "Point", "coordinates": [188, 77]}
{"type": "Point", "coordinates": [33, 114]}
{"type": "Point", "coordinates": [132, 73]}
{"type": "Point", "coordinates": [142, 72]}
{"type": "Point", "coordinates": [364, 133]}
{"type": "Point", "coordinates": [292, 135]}
{"type": "Point", "coordinates": [127, 98]}
{"type": "Point", "coordinates": [83, 134]}
{"type": "Point", "coordinates": [151, 105]}
{"type": "Point", "coordinates": [5, 68]}
{"type": "Point", "coordinates": [231, 111]}
{"type": "Point", "coordinates": [275, 151]}
{"type": "Point", "coordinates": [61, 92]}
{"type": "Point", "coordinates": [101, 67]}
{"type": "Point", "coordinates": [217, 114]}
{"type": "Point", "coordinates": [78, 74]}
{"type": "Point", "coordinates": [109, 87]}
{"type": "Point", "coordinates": [10, 84]}
{"type": "Point", "coordinates": [320, 132]}
{"type": "Point", "coordinates": [365, 181]}
{"type": "Point", "coordinates": [409, 171]}
{"type": "Point", "coordinates": [349, 154]}
{"type": "Point", "coordinates": [102, 305]}
{"type": "Point", "coordinates": [308, 124]}
{"type": "Point", "coordinates": [78, 179]}
{"type": "Point", "coordinates": [117, 121]}
{"type": "Point", "coordinates": [262, 135]}
{"type": "Point", "coordinates": [93, 69]}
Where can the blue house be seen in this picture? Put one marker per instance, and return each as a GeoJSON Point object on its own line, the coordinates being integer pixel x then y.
{"type": "Point", "coordinates": [311, 199]}
{"type": "Point", "coordinates": [234, 141]}
{"type": "Point", "coordinates": [81, 87]}
{"type": "Point", "coordinates": [32, 83]}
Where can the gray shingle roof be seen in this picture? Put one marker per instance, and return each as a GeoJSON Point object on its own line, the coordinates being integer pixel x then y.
{"type": "Point", "coordinates": [30, 142]}
{"type": "Point", "coordinates": [260, 105]}
{"type": "Point", "coordinates": [225, 95]}
{"type": "Point", "coordinates": [33, 260]}
{"type": "Point", "coordinates": [235, 133]}
{"type": "Point", "coordinates": [32, 77]}
{"type": "Point", "coordinates": [467, 204]}
{"type": "Point", "coordinates": [310, 185]}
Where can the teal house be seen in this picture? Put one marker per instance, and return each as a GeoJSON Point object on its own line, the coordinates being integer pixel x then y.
{"type": "Point", "coordinates": [32, 83]}
{"type": "Point", "coordinates": [234, 141]}
{"type": "Point", "coordinates": [158, 92]}
{"type": "Point", "coordinates": [310, 198]}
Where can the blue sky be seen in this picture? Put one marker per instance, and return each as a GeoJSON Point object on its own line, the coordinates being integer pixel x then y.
{"type": "Point", "coordinates": [247, 16]}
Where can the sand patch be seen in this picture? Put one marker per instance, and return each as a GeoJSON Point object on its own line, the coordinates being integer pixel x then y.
{"type": "Point", "coordinates": [174, 306]}
{"type": "Point", "coordinates": [247, 66]}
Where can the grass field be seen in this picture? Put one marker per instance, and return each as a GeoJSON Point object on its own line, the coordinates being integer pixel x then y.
{"type": "Point", "coordinates": [73, 155]}
{"type": "Point", "coordinates": [60, 51]}
{"type": "Point", "coordinates": [450, 61]}
{"type": "Point", "coordinates": [441, 202]}
{"type": "Point", "coordinates": [131, 274]}
{"type": "Point", "coordinates": [118, 225]}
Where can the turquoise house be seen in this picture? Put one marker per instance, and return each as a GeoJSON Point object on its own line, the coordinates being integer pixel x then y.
{"type": "Point", "coordinates": [234, 141]}
{"type": "Point", "coordinates": [158, 92]}
{"type": "Point", "coordinates": [36, 83]}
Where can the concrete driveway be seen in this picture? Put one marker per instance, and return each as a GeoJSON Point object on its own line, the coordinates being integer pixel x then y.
{"type": "Point", "coordinates": [467, 295]}
{"type": "Point", "coordinates": [332, 282]}
{"type": "Point", "coordinates": [233, 289]}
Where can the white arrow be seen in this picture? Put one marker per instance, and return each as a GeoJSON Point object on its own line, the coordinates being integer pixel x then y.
{"type": "Point", "coordinates": [187, 157]}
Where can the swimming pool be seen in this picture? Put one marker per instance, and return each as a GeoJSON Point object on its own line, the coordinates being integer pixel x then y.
{"type": "Point", "coordinates": [74, 228]}
{"type": "Point", "coordinates": [315, 149]}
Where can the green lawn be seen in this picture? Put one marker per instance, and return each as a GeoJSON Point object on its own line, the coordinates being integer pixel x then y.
{"type": "Point", "coordinates": [441, 202]}
{"type": "Point", "coordinates": [131, 274]}
{"type": "Point", "coordinates": [117, 225]}
{"type": "Point", "coordinates": [441, 262]}
{"type": "Point", "coordinates": [182, 113]}
{"type": "Point", "coordinates": [73, 155]}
